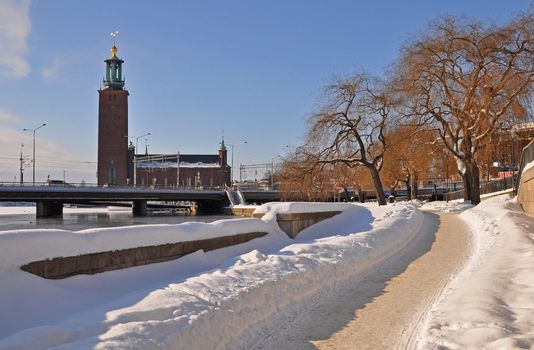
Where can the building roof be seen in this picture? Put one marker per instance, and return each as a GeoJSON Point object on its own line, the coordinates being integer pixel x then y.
{"type": "Point", "coordinates": [524, 126]}
{"type": "Point", "coordinates": [186, 161]}
{"type": "Point", "coordinates": [186, 158]}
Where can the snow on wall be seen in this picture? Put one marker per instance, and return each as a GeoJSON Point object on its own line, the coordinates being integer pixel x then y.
{"type": "Point", "coordinates": [528, 166]}
{"type": "Point", "coordinates": [300, 207]}
{"type": "Point", "coordinates": [19, 247]}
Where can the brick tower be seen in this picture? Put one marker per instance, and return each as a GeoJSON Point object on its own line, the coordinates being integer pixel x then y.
{"type": "Point", "coordinates": [113, 126]}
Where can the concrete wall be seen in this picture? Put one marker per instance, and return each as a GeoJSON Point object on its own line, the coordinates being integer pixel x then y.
{"type": "Point", "coordinates": [293, 223]}
{"type": "Point", "coordinates": [240, 211]}
{"type": "Point", "coordinates": [113, 260]}
{"type": "Point", "coordinates": [526, 192]}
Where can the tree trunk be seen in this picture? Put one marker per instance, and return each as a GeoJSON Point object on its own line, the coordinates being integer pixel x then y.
{"type": "Point", "coordinates": [414, 188]}
{"type": "Point", "coordinates": [378, 186]}
{"type": "Point", "coordinates": [475, 182]}
{"type": "Point", "coordinates": [409, 188]}
{"type": "Point", "coordinates": [466, 179]}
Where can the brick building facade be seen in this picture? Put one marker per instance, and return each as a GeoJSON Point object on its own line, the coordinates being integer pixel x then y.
{"type": "Point", "coordinates": [195, 171]}
{"type": "Point", "coordinates": [112, 166]}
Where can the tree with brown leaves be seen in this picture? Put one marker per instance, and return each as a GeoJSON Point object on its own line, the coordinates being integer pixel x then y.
{"type": "Point", "coordinates": [467, 79]}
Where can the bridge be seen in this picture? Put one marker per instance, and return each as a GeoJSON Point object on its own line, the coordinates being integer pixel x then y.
{"type": "Point", "coordinates": [49, 200]}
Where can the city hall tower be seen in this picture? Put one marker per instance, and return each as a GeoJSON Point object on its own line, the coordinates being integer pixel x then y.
{"type": "Point", "coordinates": [112, 168]}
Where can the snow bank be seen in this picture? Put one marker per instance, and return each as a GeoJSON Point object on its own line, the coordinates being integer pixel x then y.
{"type": "Point", "coordinates": [528, 166]}
{"type": "Point", "coordinates": [19, 247]}
{"type": "Point", "coordinates": [490, 304]}
{"type": "Point", "coordinates": [212, 300]}
{"type": "Point", "coordinates": [300, 207]}
{"type": "Point", "coordinates": [448, 207]}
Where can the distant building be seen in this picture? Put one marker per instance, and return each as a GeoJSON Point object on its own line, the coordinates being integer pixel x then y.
{"type": "Point", "coordinates": [116, 159]}
{"type": "Point", "coordinates": [195, 171]}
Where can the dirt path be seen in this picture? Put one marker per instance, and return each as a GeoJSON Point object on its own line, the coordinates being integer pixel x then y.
{"type": "Point", "coordinates": [383, 310]}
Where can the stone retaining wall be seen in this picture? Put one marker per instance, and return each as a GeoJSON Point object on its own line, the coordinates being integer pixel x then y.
{"type": "Point", "coordinates": [526, 192]}
{"type": "Point", "coordinates": [293, 223]}
{"type": "Point", "coordinates": [118, 259]}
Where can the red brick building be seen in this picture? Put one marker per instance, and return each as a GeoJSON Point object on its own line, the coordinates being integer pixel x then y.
{"type": "Point", "coordinates": [195, 171]}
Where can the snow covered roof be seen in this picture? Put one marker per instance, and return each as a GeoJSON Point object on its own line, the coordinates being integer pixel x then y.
{"type": "Point", "coordinates": [524, 126]}
{"type": "Point", "coordinates": [163, 165]}
{"type": "Point", "coordinates": [161, 161]}
{"type": "Point", "coordinates": [188, 158]}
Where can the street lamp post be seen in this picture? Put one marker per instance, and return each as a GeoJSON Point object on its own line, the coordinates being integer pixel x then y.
{"type": "Point", "coordinates": [272, 170]}
{"type": "Point", "coordinates": [232, 169]}
{"type": "Point", "coordinates": [33, 160]}
{"type": "Point", "coordinates": [135, 157]}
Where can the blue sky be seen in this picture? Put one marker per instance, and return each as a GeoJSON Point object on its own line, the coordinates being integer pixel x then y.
{"type": "Point", "coordinates": [252, 68]}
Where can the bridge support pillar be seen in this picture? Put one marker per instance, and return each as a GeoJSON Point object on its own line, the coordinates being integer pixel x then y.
{"type": "Point", "coordinates": [139, 208]}
{"type": "Point", "coordinates": [47, 209]}
{"type": "Point", "coordinates": [208, 207]}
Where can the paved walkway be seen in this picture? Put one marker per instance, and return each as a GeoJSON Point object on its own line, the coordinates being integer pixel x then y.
{"type": "Point", "coordinates": [383, 310]}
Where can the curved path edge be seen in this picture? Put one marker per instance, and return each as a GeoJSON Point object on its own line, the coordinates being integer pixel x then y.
{"type": "Point", "coordinates": [386, 307]}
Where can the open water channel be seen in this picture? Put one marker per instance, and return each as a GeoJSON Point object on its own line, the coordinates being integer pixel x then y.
{"type": "Point", "coordinates": [20, 218]}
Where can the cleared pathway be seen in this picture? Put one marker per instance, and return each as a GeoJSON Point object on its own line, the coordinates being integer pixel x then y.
{"type": "Point", "coordinates": [382, 310]}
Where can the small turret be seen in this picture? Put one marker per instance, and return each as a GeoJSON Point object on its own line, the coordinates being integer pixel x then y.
{"type": "Point", "coordinates": [222, 154]}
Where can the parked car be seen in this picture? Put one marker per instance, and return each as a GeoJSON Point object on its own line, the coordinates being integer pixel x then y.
{"type": "Point", "coordinates": [57, 183]}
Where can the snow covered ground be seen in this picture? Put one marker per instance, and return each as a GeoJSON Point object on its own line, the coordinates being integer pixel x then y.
{"type": "Point", "coordinates": [454, 206]}
{"type": "Point", "coordinates": [218, 299]}
{"type": "Point", "coordinates": [490, 303]}
{"type": "Point", "coordinates": [223, 299]}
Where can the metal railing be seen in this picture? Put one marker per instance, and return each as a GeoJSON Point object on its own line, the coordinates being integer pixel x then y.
{"type": "Point", "coordinates": [493, 185]}
{"type": "Point", "coordinates": [94, 185]}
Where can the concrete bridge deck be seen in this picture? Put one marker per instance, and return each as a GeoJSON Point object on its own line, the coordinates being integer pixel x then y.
{"type": "Point", "coordinates": [50, 200]}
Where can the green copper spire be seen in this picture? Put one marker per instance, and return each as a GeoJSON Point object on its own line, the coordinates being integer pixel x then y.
{"type": "Point", "coordinates": [114, 79]}
{"type": "Point", "coordinates": [223, 146]}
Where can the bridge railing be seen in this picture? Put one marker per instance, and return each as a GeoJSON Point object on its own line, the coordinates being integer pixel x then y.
{"type": "Point", "coordinates": [46, 184]}
{"type": "Point", "coordinates": [94, 185]}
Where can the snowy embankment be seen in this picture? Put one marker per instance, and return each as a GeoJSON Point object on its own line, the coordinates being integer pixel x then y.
{"type": "Point", "coordinates": [490, 304]}
{"type": "Point", "coordinates": [218, 299]}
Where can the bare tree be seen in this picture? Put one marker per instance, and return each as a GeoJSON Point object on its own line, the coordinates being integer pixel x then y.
{"type": "Point", "coordinates": [467, 79]}
{"type": "Point", "coordinates": [350, 127]}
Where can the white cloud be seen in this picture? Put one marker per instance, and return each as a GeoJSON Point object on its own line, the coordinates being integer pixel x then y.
{"type": "Point", "coordinates": [6, 117]}
{"type": "Point", "coordinates": [15, 27]}
{"type": "Point", "coordinates": [51, 72]}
